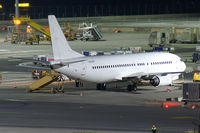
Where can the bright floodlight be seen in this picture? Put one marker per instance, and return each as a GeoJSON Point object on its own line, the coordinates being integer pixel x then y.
{"type": "Point", "coordinates": [23, 5]}
{"type": "Point", "coordinates": [16, 21]}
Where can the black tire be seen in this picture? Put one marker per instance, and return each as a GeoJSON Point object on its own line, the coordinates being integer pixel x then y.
{"type": "Point", "coordinates": [101, 87]}
{"type": "Point", "coordinates": [98, 87]}
{"type": "Point", "coordinates": [129, 88]}
{"type": "Point", "coordinates": [132, 87]}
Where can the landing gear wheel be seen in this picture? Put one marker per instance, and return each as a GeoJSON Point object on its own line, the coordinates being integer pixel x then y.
{"type": "Point", "coordinates": [132, 87]}
{"type": "Point", "coordinates": [98, 87]}
{"type": "Point", "coordinates": [129, 87]}
{"type": "Point", "coordinates": [101, 87]}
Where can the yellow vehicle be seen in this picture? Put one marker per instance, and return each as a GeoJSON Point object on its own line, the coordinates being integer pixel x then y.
{"type": "Point", "coordinates": [32, 38]}
{"type": "Point", "coordinates": [69, 34]}
{"type": "Point", "coordinates": [34, 25]}
{"type": "Point", "coordinates": [196, 77]}
{"type": "Point", "coordinates": [45, 78]}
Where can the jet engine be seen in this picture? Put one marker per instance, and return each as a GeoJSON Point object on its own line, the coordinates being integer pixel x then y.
{"type": "Point", "coordinates": [161, 80]}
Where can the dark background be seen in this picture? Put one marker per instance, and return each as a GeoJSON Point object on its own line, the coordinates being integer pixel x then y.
{"type": "Point", "coordinates": [83, 8]}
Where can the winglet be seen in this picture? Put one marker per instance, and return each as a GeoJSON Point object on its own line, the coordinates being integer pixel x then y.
{"type": "Point", "coordinates": [60, 46]}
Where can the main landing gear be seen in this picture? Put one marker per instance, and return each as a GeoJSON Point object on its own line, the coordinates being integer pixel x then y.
{"type": "Point", "coordinates": [132, 87]}
{"type": "Point", "coordinates": [78, 83]}
{"type": "Point", "coordinates": [101, 86]}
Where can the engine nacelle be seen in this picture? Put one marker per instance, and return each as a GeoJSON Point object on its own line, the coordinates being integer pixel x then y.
{"type": "Point", "coordinates": [162, 80]}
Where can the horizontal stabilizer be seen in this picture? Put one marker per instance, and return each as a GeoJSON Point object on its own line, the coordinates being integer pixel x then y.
{"type": "Point", "coordinates": [29, 60]}
{"type": "Point", "coordinates": [33, 67]}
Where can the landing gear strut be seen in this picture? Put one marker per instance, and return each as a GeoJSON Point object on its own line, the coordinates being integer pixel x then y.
{"type": "Point", "coordinates": [101, 86]}
{"type": "Point", "coordinates": [132, 87]}
{"type": "Point", "coordinates": [77, 83]}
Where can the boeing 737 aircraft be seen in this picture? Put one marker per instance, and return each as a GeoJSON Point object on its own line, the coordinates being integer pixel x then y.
{"type": "Point", "coordinates": [160, 68]}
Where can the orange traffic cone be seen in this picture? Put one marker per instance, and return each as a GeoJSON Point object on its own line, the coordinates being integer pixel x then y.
{"type": "Point", "coordinates": [15, 86]}
{"type": "Point", "coordinates": [168, 89]}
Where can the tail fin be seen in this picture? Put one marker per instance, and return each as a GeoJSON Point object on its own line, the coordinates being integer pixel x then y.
{"type": "Point", "coordinates": [60, 46]}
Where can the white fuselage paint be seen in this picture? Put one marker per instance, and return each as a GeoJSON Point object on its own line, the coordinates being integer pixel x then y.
{"type": "Point", "coordinates": [101, 69]}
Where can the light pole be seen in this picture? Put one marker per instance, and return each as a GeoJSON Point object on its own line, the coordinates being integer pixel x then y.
{"type": "Point", "coordinates": [17, 17]}
{"type": "Point", "coordinates": [16, 9]}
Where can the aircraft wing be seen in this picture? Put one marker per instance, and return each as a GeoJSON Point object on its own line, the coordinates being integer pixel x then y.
{"type": "Point", "coordinates": [141, 75]}
{"type": "Point", "coordinates": [135, 75]}
{"type": "Point", "coordinates": [33, 67]}
{"type": "Point", "coordinates": [124, 77]}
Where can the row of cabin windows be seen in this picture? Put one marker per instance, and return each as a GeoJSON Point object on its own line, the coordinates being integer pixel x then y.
{"type": "Point", "coordinates": [129, 65]}
{"type": "Point", "coordinates": [113, 66]}
{"type": "Point", "coordinates": [163, 62]}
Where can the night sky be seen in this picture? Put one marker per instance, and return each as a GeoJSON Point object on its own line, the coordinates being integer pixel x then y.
{"type": "Point", "coordinates": [82, 8]}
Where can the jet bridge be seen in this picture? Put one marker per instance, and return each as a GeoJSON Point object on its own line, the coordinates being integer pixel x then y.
{"type": "Point", "coordinates": [47, 79]}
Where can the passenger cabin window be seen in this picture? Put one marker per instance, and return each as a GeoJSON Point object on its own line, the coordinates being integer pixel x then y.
{"type": "Point", "coordinates": [131, 65]}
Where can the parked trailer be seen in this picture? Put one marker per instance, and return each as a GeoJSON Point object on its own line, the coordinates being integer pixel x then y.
{"type": "Point", "coordinates": [187, 35]}
{"type": "Point", "coordinates": [174, 35]}
{"type": "Point", "coordinates": [158, 38]}
{"type": "Point", "coordinates": [191, 97]}
{"type": "Point", "coordinates": [89, 53]}
{"type": "Point", "coordinates": [191, 92]}
{"type": "Point", "coordinates": [86, 53]}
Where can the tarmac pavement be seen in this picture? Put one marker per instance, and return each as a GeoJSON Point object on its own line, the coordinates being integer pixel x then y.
{"type": "Point", "coordinates": [86, 109]}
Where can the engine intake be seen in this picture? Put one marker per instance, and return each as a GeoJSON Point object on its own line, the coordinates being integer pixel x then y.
{"type": "Point", "coordinates": [161, 80]}
{"type": "Point", "coordinates": [155, 81]}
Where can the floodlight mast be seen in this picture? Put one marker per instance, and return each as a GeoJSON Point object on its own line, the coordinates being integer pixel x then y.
{"type": "Point", "coordinates": [17, 9]}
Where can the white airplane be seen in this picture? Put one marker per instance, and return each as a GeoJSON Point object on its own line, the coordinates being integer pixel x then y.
{"type": "Point", "coordinates": [160, 68]}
